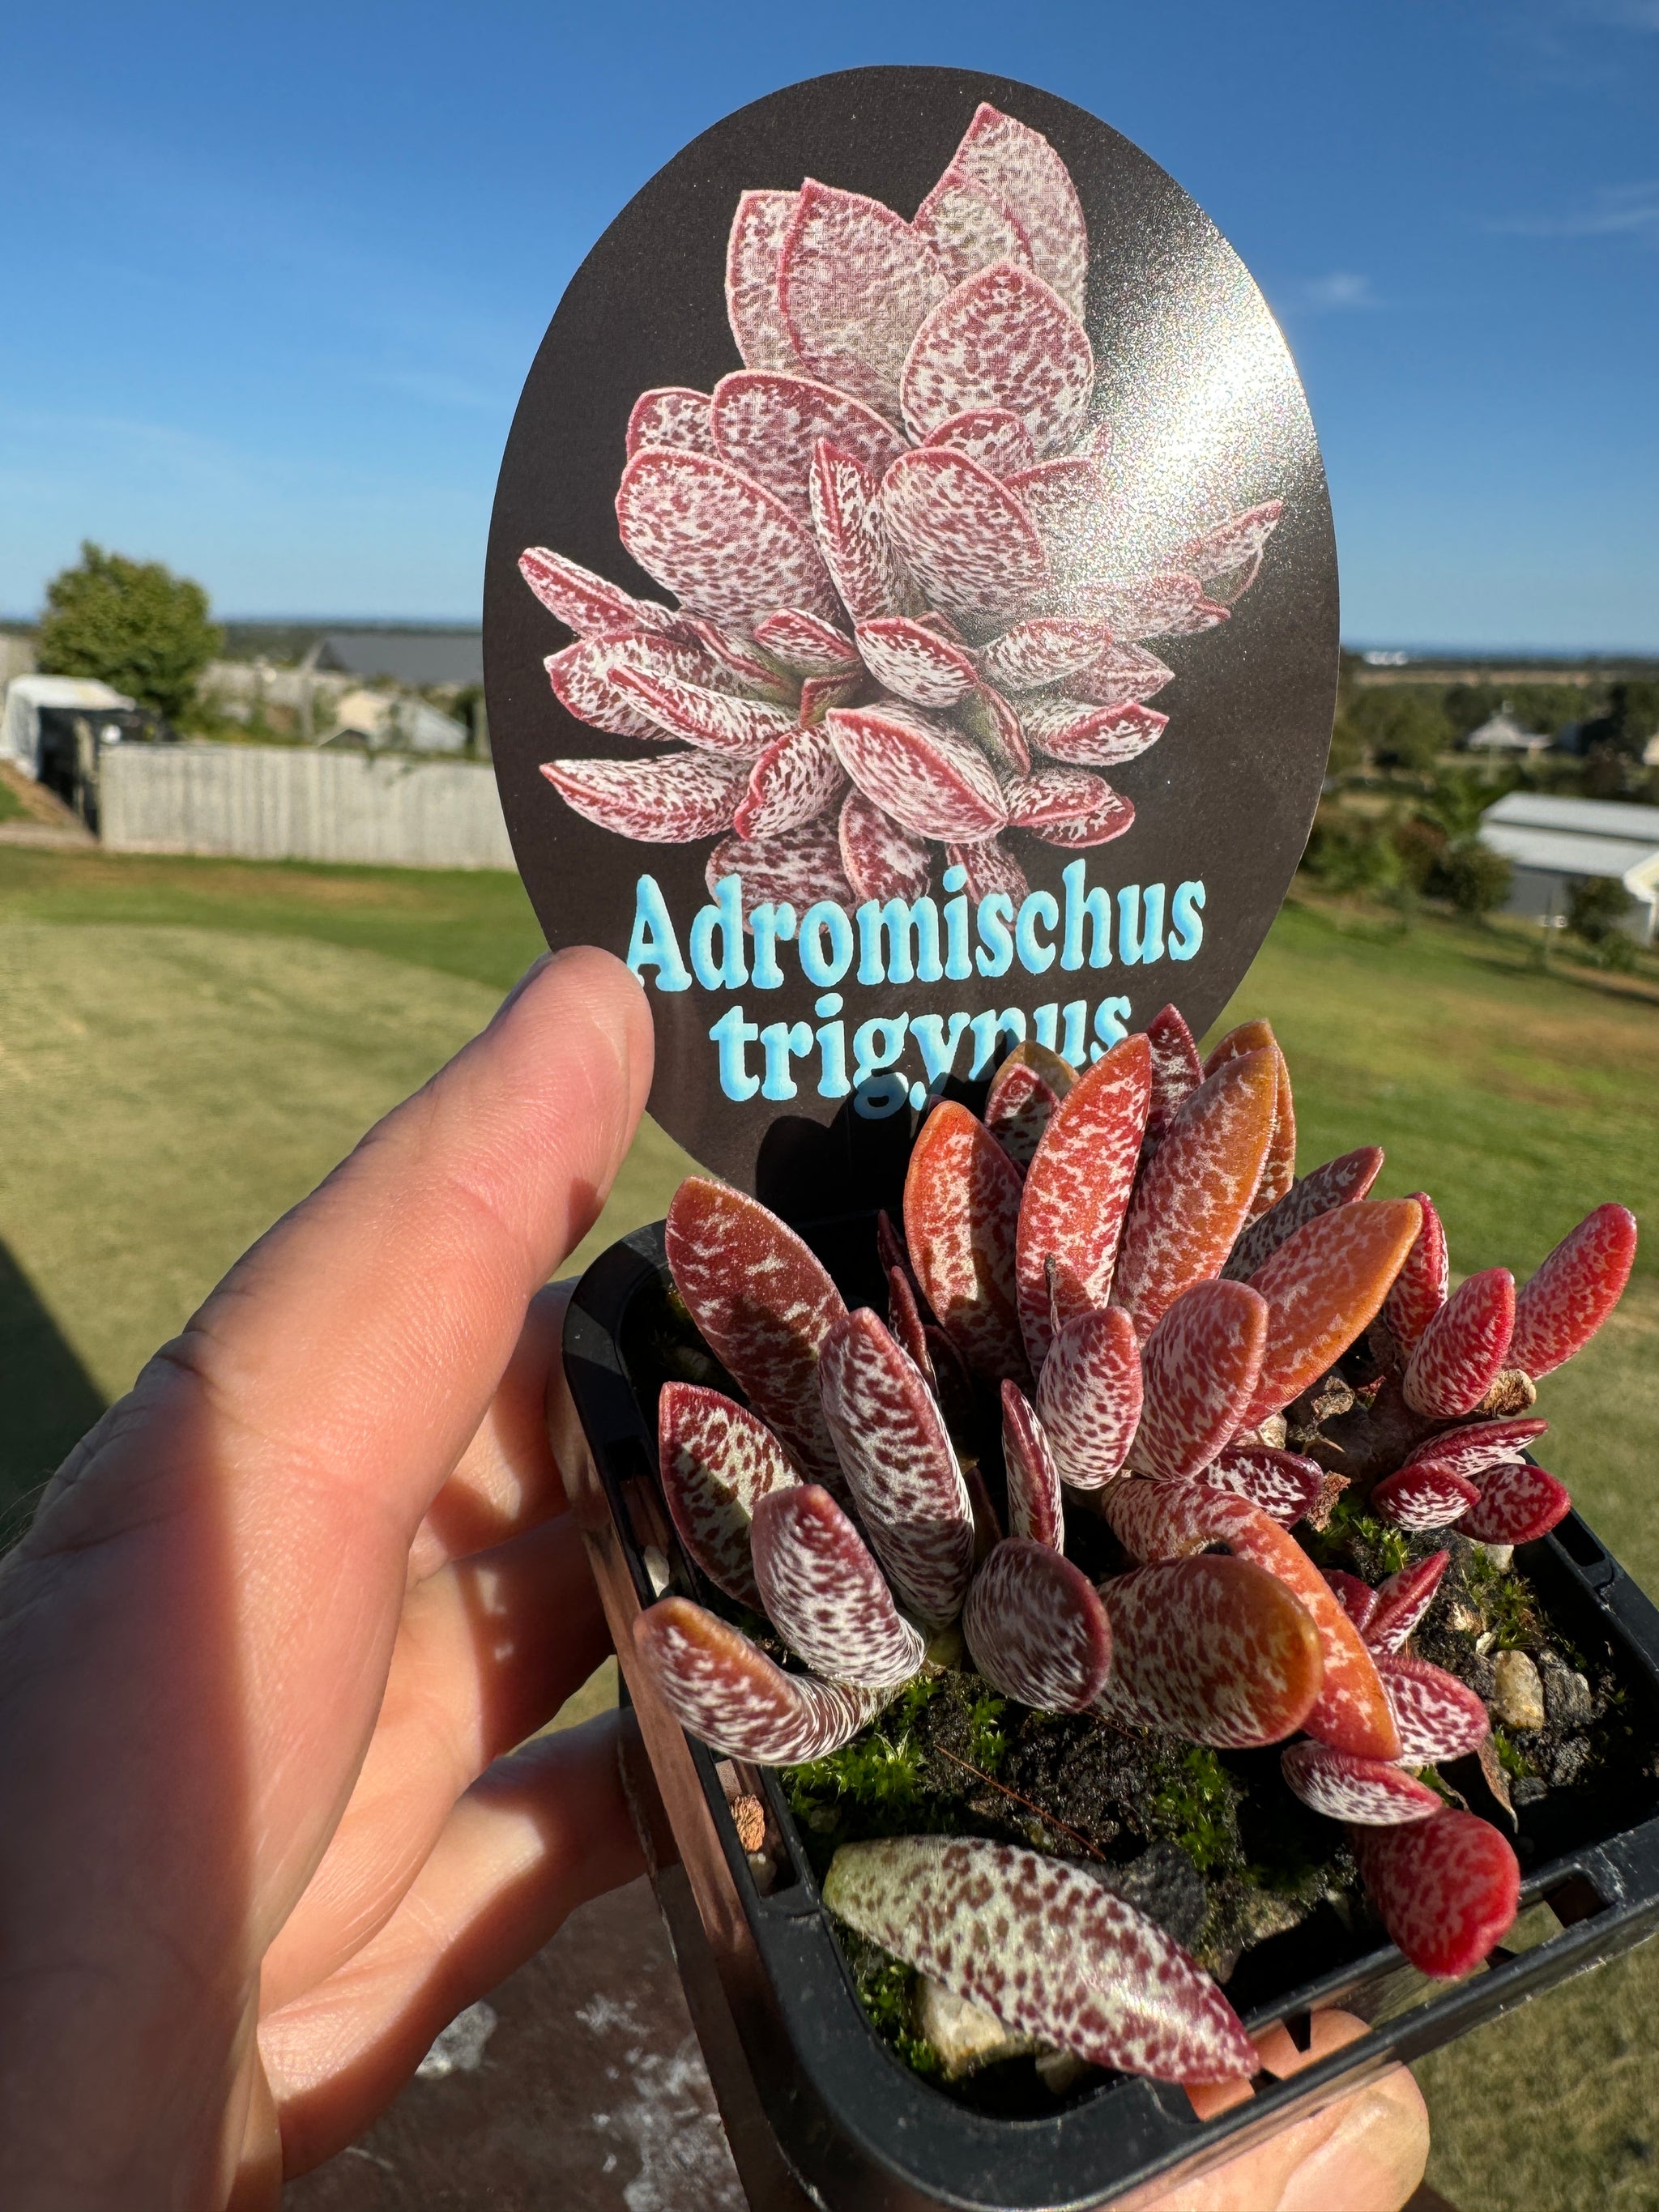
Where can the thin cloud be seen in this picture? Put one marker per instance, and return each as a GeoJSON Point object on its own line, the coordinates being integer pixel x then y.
{"type": "Point", "coordinates": [1617, 211]}
{"type": "Point", "coordinates": [1343, 291]}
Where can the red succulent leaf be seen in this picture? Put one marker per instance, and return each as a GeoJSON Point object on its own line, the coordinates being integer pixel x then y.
{"type": "Point", "coordinates": [1461, 1353]}
{"type": "Point", "coordinates": [966, 539]}
{"type": "Point", "coordinates": [764, 1306]}
{"type": "Point", "coordinates": [584, 602]}
{"type": "Point", "coordinates": [725, 546]}
{"type": "Point", "coordinates": [1437, 1715]}
{"type": "Point", "coordinates": [995, 725]}
{"type": "Point", "coordinates": [796, 780]}
{"type": "Point", "coordinates": [995, 437]}
{"type": "Point", "coordinates": [1279, 1169]}
{"type": "Point", "coordinates": [856, 283]}
{"type": "Point", "coordinates": [1095, 737]}
{"type": "Point", "coordinates": [915, 663]}
{"type": "Point", "coordinates": [1036, 1629]}
{"type": "Point", "coordinates": [673, 800]}
{"type": "Point", "coordinates": [1232, 544]}
{"type": "Point", "coordinates": [1177, 1069]}
{"type": "Point", "coordinates": [1072, 1965]}
{"type": "Point", "coordinates": [733, 1698]}
{"type": "Point", "coordinates": [1150, 606]}
{"type": "Point", "coordinates": [1066, 502]}
{"type": "Point", "coordinates": [989, 866]}
{"type": "Point", "coordinates": [847, 516]}
{"type": "Point", "coordinates": [904, 1320]}
{"type": "Point", "coordinates": [969, 228]}
{"type": "Point", "coordinates": [1078, 1189]}
{"type": "Point", "coordinates": [717, 1462]}
{"type": "Point", "coordinates": [1419, 1289]}
{"type": "Point", "coordinates": [919, 770]}
{"type": "Point", "coordinates": [753, 251]}
{"type": "Point", "coordinates": [1217, 1650]}
{"type": "Point", "coordinates": [717, 720]}
{"type": "Point", "coordinates": [736, 666]}
{"type": "Point", "coordinates": [670, 415]}
{"type": "Point", "coordinates": [807, 643]}
{"type": "Point", "coordinates": [1325, 1285]}
{"type": "Point", "coordinates": [1370, 1792]}
{"type": "Point", "coordinates": [1423, 1494]}
{"type": "Point", "coordinates": [1199, 1365]}
{"type": "Point", "coordinates": [1035, 1506]}
{"type": "Point", "coordinates": [582, 677]}
{"type": "Point", "coordinates": [1283, 1484]}
{"type": "Point", "coordinates": [819, 694]}
{"type": "Point", "coordinates": [898, 1458]}
{"type": "Point", "coordinates": [1517, 1504]}
{"type": "Point", "coordinates": [1002, 338]}
{"type": "Point", "coordinates": [1574, 1291]}
{"type": "Point", "coordinates": [766, 426]}
{"type": "Point", "coordinates": [890, 1248]}
{"type": "Point", "coordinates": [882, 860]}
{"type": "Point", "coordinates": [1195, 1192]}
{"type": "Point", "coordinates": [1023, 1094]}
{"type": "Point", "coordinates": [1338, 1182]}
{"type": "Point", "coordinates": [1089, 1396]}
{"type": "Point", "coordinates": [1053, 794]}
{"type": "Point", "coordinates": [796, 867]}
{"type": "Point", "coordinates": [1110, 819]}
{"type": "Point", "coordinates": [1247, 1036]}
{"type": "Point", "coordinates": [1021, 170]}
{"type": "Point", "coordinates": [961, 1197]}
{"type": "Point", "coordinates": [1044, 650]}
{"type": "Point", "coordinates": [824, 1594]}
{"type": "Point", "coordinates": [1447, 1889]}
{"type": "Point", "coordinates": [1478, 1445]}
{"type": "Point", "coordinates": [1401, 1602]}
{"type": "Point", "coordinates": [1357, 1599]}
{"type": "Point", "coordinates": [1123, 673]}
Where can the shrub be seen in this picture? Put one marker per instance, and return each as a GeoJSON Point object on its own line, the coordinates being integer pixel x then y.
{"type": "Point", "coordinates": [131, 623]}
{"type": "Point", "coordinates": [1596, 908]}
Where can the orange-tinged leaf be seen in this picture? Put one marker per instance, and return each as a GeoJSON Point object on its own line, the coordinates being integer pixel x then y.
{"type": "Point", "coordinates": [961, 1197]}
{"type": "Point", "coordinates": [1324, 1286]}
{"type": "Point", "coordinates": [1218, 1650]}
{"type": "Point", "coordinates": [1199, 1366]}
{"type": "Point", "coordinates": [1023, 1094]}
{"type": "Point", "coordinates": [1279, 1169]}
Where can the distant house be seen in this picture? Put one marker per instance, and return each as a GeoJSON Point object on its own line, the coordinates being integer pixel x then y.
{"type": "Point", "coordinates": [379, 721]}
{"type": "Point", "coordinates": [415, 660]}
{"type": "Point", "coordinates": [1553, 843]}
{"type": "Point", "coordinates": [1501, 734]}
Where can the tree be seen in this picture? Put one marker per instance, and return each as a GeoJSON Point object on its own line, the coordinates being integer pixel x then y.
{"type": "Point", "coordinates": [1633, 717]}
{"type": "Point", "coordinates": [1400, 727]}
{"type": "Point", "coordinates": [1476, 878]}
{"type": "Point", "coordinates": [1596, 908]}
{"type": "Point", "coordinates": [131, 623]}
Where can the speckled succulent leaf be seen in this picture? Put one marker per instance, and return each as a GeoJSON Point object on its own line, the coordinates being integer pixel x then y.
{"type": "Point", "coordinates": [1035, 1507]}
{"type": "Point", "coordinates": [1123, 673]}
{"type": "Point", "coordinates": [1437, 1715]}
{"type": "Point", "coordinates": [1217, 1649]}
{"type": "Point", "coordinates": [732, 1697]}
{"type": "Point", "coordinates": [1477, 1445]}
{"type": "Point", "coordinates": [715, 720]}
{"type": "Point", "coordinates": [1337, 1182]}
{"type": "Point", "coordinates": [1460, 1354]}
{"type": "Point", "coordinates": [1089, 1396]}
{"type": "Point", "coordinates": [767, 426]}
{"type": "Point", "coordinates": [1517, 1504]}
{"type": "Point", "coordinates": [1066, 502]}
{"type": "Point", "coordinates": [962, 1201]}
{"type": "Point", "coordinates": [582, 677]}
{"type": "Point", "coordinates": [807, 643]}
{"type": "Point", "coordinates": [1424, 1494]}
{"type": "Point", "coordinates": [919, 770]}
{"type": "Point", "coordinates": [904, 1319]}
{"type": "Point", "coordinates": [736, 666]}
{"type": "Point", "coordinates": [1022, 171]}
{"type": "Point", "coordinates": [753, 251]}
{"type": "Point", "coordinates": [1236, 543]}
{"type": "Point", "coordinates": [846, 500]}
{"type": "Point", "coordinates": [1166, 1519]}
{"type": "Point", "coordinates": [1092, 737]}
{"type": "Point", "coordinates": [1046, 649]}
{"type": "Point", "coordinates": [670, 415]}
{"type": "Point", "coordinates": [1078, 1967]}
{"type": "Point", "coordinates": [856, 283]}
{"type": "Point", "coordinates": [819, 694]}
{"type": "Point", "coordinates": [764, 1305]}
{"type": "Point", "coordinates": [965, 538]}
{"type": "Point", "coordinates": [1421, 1288]}
{"type": "Point", "coordinates": [1284, 1484]}
{"type": "Point", "coordinates": [1370, 1792]}
{"type": "Point", "coordinates": [796, 867]}
{"type": "Point", "coordinates": [1053, 794]}
{"type": "Point", "coordinates": [824, 1594]}
{"type": "Point", "coordinates": [1324, 1286]}
{"type": "Point", "coordinates": [995, 437]}
{"type": "Point", "coordinates": [727, 547]}
{"type": "Point", "coordinates": [797, 779]}
{"type": "Point", "coordinates": [584, 602]}
{"type": "Point", "coordinates": [1255, 1035]}
{"type": "Point", "coordinates": [1002, 338]}
{"type": "Point", "coordinates": [1195, 1192]}
{"type": "Point", "coordinates": [1447, 1889]}
{"type": "Point", "coordinates": [1115, 815]}
{"type": "Point", "coordinates": [1200, 1364]}
{"type": "Point", "coordinates": [1034, 1628]}
{"type": "Point", "coordinates": [989, 866]}
{"type": "Point", "coordinates": [891, 1248]}
{"type": "Point", "coordinates": [717, 1462]}
{"type": "Point", "coordinates": [1401, 1602]}
{"type": "Point", "coordinates": [1357, 1599]}
{"type": "Point", "coordinates": [898, 1460]}
{"type": "Point", "coordinates": [915, 663]}
{"type": "Point", "coordinates": [1177, 1069]}
{"type": "Point", "coordinates": [881, 858]}
{"type": "Point", "coordinates": [1166, 605]}
{"type": "Point", "coordinates": [671, 800]}
{"type": "Point", "coordinates": [958, 1400]}
{"type": "Point", "coordinates": [1279, 1169]}
{"type": "Point", "coordinates": [1574, 1291]}
{"type": "Point", "coordinates": [1077, 1190]}
{"type": "Point", "coordinates": [969, 228]}
{"type": "Point", "coordinates": [1023, 1094]}
{"type": "Point", "coordinates": [995, 725]}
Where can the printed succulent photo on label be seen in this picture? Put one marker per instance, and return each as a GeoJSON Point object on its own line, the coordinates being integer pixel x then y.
{"type": "Point", "coordinates": [911, 613]}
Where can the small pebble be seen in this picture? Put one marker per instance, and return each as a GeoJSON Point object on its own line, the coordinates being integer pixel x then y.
{"type": "Point", "coordinates": [1518, 1697]}
{"type": "Point", "coordinates": [964, 2036]}
{"type": "Point", "coordinates": [1501, 1555]}
{"type": "Point", "coordinates": [1566, 1693]}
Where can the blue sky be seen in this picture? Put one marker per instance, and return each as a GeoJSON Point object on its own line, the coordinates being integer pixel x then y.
{"type": "Point", "coordinates": [274, 275]}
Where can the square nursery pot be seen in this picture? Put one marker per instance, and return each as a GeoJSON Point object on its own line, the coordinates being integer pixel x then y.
{"type": "Point", "coordinates": [817, 2109]}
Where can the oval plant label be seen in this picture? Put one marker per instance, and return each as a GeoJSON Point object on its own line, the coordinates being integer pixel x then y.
{"type": "Point", "coordinates": [910, 622]}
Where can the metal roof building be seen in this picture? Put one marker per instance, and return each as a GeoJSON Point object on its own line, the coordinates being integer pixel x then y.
{"type": "Point", "coordinates": [1553, 843]}
{"type": "Point", "coordinates": [417, 659]}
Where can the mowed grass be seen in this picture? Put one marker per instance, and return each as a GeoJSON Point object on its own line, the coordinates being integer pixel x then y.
{"type": "Point", "coordinates": [185, 1046]}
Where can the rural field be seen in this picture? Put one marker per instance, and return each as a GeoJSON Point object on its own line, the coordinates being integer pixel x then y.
{"type": "Point", "coordinates": [186, 1045]}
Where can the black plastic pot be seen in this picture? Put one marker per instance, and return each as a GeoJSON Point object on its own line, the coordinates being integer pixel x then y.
{"type": "Point", "coordinates": [819, 2112]}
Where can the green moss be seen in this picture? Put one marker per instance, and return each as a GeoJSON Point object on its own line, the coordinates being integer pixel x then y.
{"type": "Point", "coordinates": [887, 1990]}
{"type": "Point", "coordinates": [1356, 1540]}
{"type": "Point", "coordinates": [1511, 1757]}
{"type": "Point", "coordinates": [1197, 1808]}
{"type": "Point", "coordinates": [1506, 1600]}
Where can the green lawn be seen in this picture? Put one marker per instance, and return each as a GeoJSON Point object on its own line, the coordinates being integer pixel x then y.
{"type": "Point", "coordinates": [186, 1045]}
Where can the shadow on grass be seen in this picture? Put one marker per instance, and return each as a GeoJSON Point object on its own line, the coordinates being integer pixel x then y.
{"type": "Point", "coordinates": [50, 1400]}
